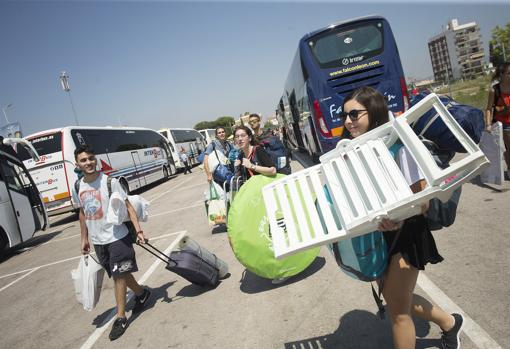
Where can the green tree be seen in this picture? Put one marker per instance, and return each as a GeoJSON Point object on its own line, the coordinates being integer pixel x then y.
{"type": "Point", "coordinates": [225, 121]}
{"type": "Point", "coordinates": [500, 45]}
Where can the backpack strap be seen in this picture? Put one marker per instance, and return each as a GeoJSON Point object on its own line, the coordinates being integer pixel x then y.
{"type": "Point", "coordinates": [77, 187]}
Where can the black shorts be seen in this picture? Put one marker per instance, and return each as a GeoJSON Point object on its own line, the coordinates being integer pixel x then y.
{"type": "Point", "coordinates": [118, 257]}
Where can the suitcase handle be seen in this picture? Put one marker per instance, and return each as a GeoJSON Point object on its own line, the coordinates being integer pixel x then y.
{"type": "Point", "coordinates": [167, 259]}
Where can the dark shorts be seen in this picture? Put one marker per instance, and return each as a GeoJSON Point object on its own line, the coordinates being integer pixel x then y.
{"type": "Point", "coordinates": [118, 257]}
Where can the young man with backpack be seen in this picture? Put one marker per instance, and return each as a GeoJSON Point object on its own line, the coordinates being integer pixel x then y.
{"type": "Point", "coordinates": [271, 144]}
{"type": "Point", "coordinates": [112, 243]}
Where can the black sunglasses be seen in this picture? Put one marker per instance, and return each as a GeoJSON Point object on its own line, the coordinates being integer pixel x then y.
{"type": "Point", "coordinates": [353, 114]}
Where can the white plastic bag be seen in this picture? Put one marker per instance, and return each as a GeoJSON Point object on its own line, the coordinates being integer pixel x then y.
{"type": "Point", "coordinates": [88, 280]}
{"type": "Point", "coordinates": [493, 147]}
{"type": "Point", "coordinates": [141, 207]}
{"type": "Point", "coordinates": [220, 193]}
{"type": "Point", "coordinates": [214, 160]}
{"type": "Point", "coordinates": [117, 210]}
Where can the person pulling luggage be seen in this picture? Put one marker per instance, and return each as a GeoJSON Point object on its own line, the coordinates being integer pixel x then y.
{"type": "Point", "coordinates": [113, 243]}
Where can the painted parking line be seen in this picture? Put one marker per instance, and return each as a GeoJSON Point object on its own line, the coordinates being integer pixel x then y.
{"type": "Point", "coordinates": [176, 210]}
{"type": "Point", "coordinates": [172, 189]}
{"type": "Point", "coordinates": [111, 316]}
{"type": "Point", "coordinates": [475, 333]}
{"type": "Point", "coordinates": [18, 279]}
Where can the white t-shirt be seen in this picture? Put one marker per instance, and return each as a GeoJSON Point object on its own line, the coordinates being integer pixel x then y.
{"type": "Point", "coordinates": [184, 157]}
{"type": "Point", "coordinates": [94, 199]}
{"type": "Point", "coordinates": [408, 166]}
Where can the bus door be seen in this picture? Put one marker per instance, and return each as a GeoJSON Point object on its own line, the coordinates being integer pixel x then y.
{"type": "Point", "coordinates": [295, 120]}
{"type": "Point", "coordinates": [138, 169]}
{"type": "Point", "coordinates": [21, 208]}
{"type": "Point", "coordinates": [193, 153]}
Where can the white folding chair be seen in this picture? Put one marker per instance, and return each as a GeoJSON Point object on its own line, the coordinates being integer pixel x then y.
{"type": "Point", "coordinates": [364, 184]}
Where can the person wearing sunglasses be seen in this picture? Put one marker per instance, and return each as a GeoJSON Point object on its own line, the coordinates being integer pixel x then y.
{"type": "Point", "coordinates": [363, 110]}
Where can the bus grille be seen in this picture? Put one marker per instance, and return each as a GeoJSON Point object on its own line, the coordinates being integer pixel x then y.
{"type": "Point", "coordinates": [351, 81]}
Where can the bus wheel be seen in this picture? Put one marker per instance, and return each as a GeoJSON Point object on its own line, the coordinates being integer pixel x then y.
{"type": "Point", "coordinates": [124, 185]}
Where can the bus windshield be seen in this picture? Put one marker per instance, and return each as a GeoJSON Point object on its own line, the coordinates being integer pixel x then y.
{"type": "Point", "coordinates": [347, 45]}
{"type": "Point", "coordinates": [46, 144]}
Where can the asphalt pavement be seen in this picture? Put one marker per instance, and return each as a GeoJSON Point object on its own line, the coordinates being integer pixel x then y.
{"type": "Point", "coordinates": [319, 308]}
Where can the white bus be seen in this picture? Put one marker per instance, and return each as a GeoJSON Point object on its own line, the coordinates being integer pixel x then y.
{"type": "Point", "coordinates": [136, 156]}
{"type": "Point", "coordinates": [22, 211]}
{"type": "Point", "coordinates": [186, 138]}
{"type": "Point", "coordinates": [209, 135]}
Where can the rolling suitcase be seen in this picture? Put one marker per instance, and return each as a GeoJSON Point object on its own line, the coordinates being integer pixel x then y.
{"type": "Point", "coordinates": [188, 265]}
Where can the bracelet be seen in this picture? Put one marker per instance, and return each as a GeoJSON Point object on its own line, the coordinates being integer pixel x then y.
{"type": "Point", "coordinates": [138, 232]}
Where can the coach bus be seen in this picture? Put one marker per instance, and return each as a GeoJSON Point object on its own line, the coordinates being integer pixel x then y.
{"type": "Point", "coordinates": [184, 138]}
{"type": "Point", "coordinates": [136, 156]}
{"type": "Point", "coordinates": [330, 63]}
{"type": "Point", "coordinates": [22, 211]}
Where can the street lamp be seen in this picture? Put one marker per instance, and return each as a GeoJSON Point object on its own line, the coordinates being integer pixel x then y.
{"type": "Point", "coordinates": [4, 109]}
{"type": "Point", "coordinates": [64, 82]}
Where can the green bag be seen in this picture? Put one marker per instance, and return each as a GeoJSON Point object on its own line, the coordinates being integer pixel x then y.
{"type": "Point", "coordinates": [215, 207]}
{"type": "Point", "coordinates": [249, 235]}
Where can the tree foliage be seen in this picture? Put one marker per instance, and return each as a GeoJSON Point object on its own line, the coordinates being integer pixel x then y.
{"type": "Point", "coordinates": [500, 41]}
{"type": "Point", "coordinates": [225, 121]}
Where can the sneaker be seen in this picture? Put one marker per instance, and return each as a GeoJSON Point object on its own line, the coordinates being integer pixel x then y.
{"type": "Point", "coordinates": [141, 301]}
{"type": "Point", "coordinates": [118, 328]}
{"type": "Point", "coordinates": [278, 281]}
{"type": "Point", "coordinates": [450, 339]}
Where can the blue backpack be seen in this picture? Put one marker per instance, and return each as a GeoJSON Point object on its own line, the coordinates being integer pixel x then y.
{"type": "Point", "coordinates": [363, 257]}
{"type": "Point", "coordinates": [275, 148]}
{"type": "Point", "coordinates": [431, 127]}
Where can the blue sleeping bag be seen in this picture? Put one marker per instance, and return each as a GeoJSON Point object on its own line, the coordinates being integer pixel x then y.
{"type": "Point", "coordinates": [469, 118]}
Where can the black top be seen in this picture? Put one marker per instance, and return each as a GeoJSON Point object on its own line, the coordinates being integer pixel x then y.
{"type": "Point", "coordinates": [261, 158]}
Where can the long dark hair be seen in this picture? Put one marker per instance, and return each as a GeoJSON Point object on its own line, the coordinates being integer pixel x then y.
{"type": "Point", "coordinates": [375, 104]}
{"type": "Point", "coordinates": [248, 132]}
{"type": "Point", "coordinates": [500, 70]}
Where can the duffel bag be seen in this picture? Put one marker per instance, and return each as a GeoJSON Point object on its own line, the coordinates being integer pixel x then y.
{"type": "Point", "coordinates": [432, 127]}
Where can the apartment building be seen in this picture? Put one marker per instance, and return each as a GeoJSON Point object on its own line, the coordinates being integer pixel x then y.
{"type": "Point", "coordinates": [457, 52]}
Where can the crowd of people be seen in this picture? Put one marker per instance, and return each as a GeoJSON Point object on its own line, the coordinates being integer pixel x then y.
{"type": "Point", "coordinates": [412, 243]}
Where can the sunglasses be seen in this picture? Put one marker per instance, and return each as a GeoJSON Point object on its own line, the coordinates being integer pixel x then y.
{"type": "Point", "coordinates": [354, 114]}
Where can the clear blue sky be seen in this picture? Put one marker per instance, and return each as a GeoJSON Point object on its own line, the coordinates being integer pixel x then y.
{"type": "Point", "coordinates": [172, 64]}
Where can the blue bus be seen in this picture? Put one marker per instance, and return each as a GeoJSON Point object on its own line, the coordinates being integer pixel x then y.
{"type": "Point", "coordinates": [330, 63]}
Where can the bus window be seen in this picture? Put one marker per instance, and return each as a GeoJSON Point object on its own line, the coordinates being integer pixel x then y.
{"type": "Point", "coordinates": [44, 145]}
{"type": "Point", "coordinates": [12, 178]}
{"type": "Point", "coordinates": [359, 43]}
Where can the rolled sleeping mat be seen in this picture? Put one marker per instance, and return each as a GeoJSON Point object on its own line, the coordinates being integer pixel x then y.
{"type": "Point", "coordinates": [188, 244]}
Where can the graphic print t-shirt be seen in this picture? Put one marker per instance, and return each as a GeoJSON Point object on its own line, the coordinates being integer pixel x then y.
{"type": "Point", "coordinates": [93, 198]}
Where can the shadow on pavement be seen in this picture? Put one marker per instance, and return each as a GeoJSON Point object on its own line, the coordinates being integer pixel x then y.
{"type": "Point", "coordinates": [28, 245]}
{"type": "Point", "coordinates": [360, 329]}
{"type": "Point", "coordinates": [158, 293]}
{"type": "Point", "coordinates": [478, 181]}
{"type": "Point", "coordinates": [71, 217]}
{"type": "Point", "coordinates": [251, 283]}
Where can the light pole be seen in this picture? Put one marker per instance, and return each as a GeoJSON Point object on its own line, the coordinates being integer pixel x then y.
{"type": "Point", "coordinates": [64, 82]}
{"type": "Point", "coordinates": [4, 109]}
